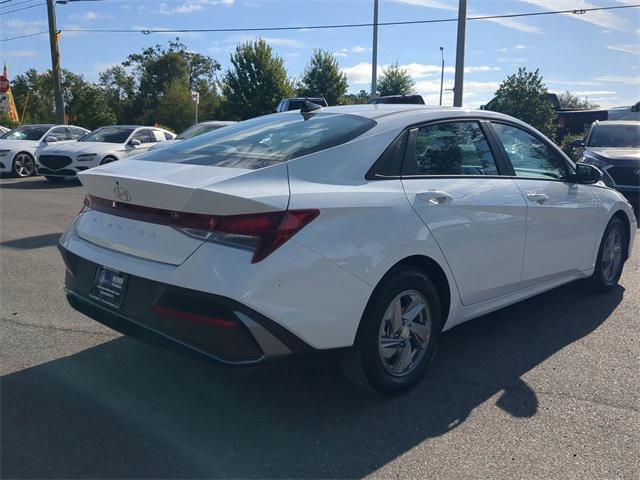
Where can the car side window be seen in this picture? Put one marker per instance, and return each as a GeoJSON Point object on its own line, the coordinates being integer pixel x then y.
{"type": "Point", "coordinates": [157, 136]}
{"type": "Point", "coordinates": [168, 136]}
{"type": "Point", "coordinates": [75, 133]}
{"type": "Point", "coordinates": [59, 132]}
{"type": "Point", "coordinates": [453, 148]}
{"type": "Point", "coordinates": [142, 135]}
{"type": "Point", "coordinates": [529, 155]}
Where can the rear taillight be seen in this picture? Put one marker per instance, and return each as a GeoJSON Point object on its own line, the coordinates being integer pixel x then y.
{"type": "Point", "coordinates": [263, 233]}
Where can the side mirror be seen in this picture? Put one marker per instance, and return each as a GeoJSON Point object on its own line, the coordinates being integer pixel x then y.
{"type": "Point", "coordinates": [587, 174]}
{"type": "Point", "coordinates": [134, 142]}
{"type": "Point", "coordinates": [50, 139]}
{"type": "Point", "coordinates": [577, 144]}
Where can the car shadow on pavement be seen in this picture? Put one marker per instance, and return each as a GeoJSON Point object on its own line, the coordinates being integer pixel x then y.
{"type": "Point", "coordinates": [128, 410]}
{"type": "Point", "coordinates": [30, 243]}
{"type": "Point", "coordinates": [37, 184]}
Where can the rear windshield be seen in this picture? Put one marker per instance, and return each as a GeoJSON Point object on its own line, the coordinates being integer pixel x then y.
{"type": "Point", "coordinates": [622, 135]}
{"type": "Point", "coordinates": [264, 141]}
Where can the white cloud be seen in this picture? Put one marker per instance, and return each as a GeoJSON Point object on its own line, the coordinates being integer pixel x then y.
{"type": "Point", "coordinates": [361, 72]}
{"type": "Point", "coordinates": [581, 83]}
{"type": "Point", "coordinates": [632, 48]}
{"type": "Point", "coordinates": [20, 53]}
{"type": "Point", "coordinates": [345, 52]}
{"type": "Point", "coordinates": [191, 6]}
{"type": "Point", "coordinates": [601, 18]}
{"type": "Point", "coordinates": [23, 26]}
{"type": "Point", "coordinates": [519, 47]}
{"type": "Point", "coordinates": [452, 6]}
{"type": "Point", "coordinates": [619, 79]}
{"type": "Point", "coordinates": [90, 16]}
{"type": "Point", "coordinates": [233, 40]}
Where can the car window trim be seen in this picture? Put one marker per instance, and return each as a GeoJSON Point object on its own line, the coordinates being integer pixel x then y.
{"type": "Point", "coordinates": [503, 169]}
{"type": "Point", "coordinates": [563, 157]}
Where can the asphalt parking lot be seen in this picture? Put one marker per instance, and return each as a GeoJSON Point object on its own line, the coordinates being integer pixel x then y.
{"type": "Point", "coordinates": [549, 388]}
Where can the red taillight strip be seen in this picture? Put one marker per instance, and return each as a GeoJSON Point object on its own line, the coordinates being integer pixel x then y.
{"type": "Point", "coordinates": [198, 221]}
{"type": "Point", "coordinates": [194, 317]}
{"type": "Point", "coordinates": [271, 229]}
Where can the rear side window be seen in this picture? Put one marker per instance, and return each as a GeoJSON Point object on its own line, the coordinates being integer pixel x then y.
{"type": "Point", "coordinates": [265, 141]}
{"type": "Point", "coordinates": [456, 148]}
{"type": "Point", "coordinates": [530, 156]}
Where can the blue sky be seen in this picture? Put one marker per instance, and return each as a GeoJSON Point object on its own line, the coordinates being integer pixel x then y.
{"type": "Point", "coordinates": [596, 55]}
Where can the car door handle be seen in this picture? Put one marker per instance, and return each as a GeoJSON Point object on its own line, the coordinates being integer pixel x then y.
{"type": "Point", "coordinates": [539, 198]}
{"type": "Point", "coordinates": [434, 197]}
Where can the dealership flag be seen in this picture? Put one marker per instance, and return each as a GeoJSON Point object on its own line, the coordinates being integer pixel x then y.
{"type": "Point", "coordinates": [7, 105]}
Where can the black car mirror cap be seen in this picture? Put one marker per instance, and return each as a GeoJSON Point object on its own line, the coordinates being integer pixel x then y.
{"type": "Point", "coordinates": [587, 174]}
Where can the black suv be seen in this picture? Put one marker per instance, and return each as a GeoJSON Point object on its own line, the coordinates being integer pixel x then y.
{"type": "Point", "coordinates": [614, 147]}
{"type": "Point", "coordinates": [399, 99]}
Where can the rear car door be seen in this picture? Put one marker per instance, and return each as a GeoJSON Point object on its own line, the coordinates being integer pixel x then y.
{"type": "Point", "coordinates": [458, 186]}
{"type": "Point", "coordinates": [561, 214]}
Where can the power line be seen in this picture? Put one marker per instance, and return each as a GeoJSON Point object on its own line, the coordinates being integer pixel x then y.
{"type": "Point", "coordinates": [23, 8]}
{"type": "Point", "coordinates": [320, 27]}
{"type": "Point", "coordinates": [343, 25]}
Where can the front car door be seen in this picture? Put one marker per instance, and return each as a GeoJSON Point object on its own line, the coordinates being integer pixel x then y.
{"type": "Point", "coordinates": [561, 214]}
{"type": "Point", "coordinates": [143, 135]}
{"type": "Point", "coordinates": [459, 188]}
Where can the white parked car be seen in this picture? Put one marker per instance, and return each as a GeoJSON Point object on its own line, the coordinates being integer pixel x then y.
{"type": "Point", "coordinates": [194, 131]}
{"type": "Point", "coordinates": [104, 145]}
{"type": "Point", "coordinates": [368, 229]}
{"type": "Point", "coordinates": [18, 147]}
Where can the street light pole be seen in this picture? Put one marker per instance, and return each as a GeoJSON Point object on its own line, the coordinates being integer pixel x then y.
{"type": "Point", "coordinates": [374, 57]}
{"type": "Point", "coordinates": [55, 62]}
{"type": "Point", "coordinates": [441, 74]}
{"type": "Point", "coordinates": [462, 23]}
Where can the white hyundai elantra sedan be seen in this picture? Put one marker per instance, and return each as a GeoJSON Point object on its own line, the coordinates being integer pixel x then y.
{"type": "Point", "coordinates": [364, 231]}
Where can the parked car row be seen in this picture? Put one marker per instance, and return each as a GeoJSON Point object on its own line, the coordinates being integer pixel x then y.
{"type": "Point", "coordinates": [61, 151]}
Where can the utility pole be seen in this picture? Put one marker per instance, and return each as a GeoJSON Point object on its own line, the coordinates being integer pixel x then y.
{"type": "Point", "coordinates": [195, 96]}
{"type": "Point", "coordinates": [441, 74]}
{"type": "Point", "coordinates": [462, 23]}
{"type": "Point", "coordinates": [374, 59]}
{"type": "Point", "coordinates": [55, 61]}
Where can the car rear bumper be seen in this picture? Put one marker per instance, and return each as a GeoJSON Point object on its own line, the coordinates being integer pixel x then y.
{"type": "Point", "coordinates": [211, 325]}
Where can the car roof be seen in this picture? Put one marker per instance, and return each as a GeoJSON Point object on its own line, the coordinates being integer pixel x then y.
{"type": "Point", "coordinates": [217, 122]}
{"type": "Point", "coordinates": [406, 114]}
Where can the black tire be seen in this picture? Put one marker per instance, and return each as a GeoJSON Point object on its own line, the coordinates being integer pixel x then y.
{"type": "Point", "coordinates": [363, 364]}
{"type": "Point", "coordinates": [106, 160]}
{"type": "Point", "coordinates": [606, 276]}
{"type": "Point", "coordinates": [23, 165]}
{"type": "Point", "coordinates": [54, 179]}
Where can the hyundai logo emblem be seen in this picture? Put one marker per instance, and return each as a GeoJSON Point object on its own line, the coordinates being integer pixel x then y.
{"type": "Point", "coordinates": [122, 193]}
{"type": "Point", "coordinates": [637, 171]}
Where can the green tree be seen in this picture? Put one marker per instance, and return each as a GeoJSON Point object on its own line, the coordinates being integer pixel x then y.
{"type": "Point", "coordinates": [355, 98]}
{"type": "Point", "coordinates": [175, 108]}
{"type": "Point", "coordinates": [256, 81]}
{"type": "Point", "coordinates": [322, 77]}
{"type": "Point", "coordinates": [91, 108]}
{"type": "Point", "coordinates": [119, 87]}
{"type": "Point", "coordinates": [523, 95]}
{"type": "Point", "coordinates": [569, 100]}
{"type": "Point", "coordinates": [395, 81]}
{"type": "Point", "coordinates": [156, 68]}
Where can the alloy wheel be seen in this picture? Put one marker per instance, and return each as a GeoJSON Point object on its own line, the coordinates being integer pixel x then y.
{"type": "Point", "coordinates": [612, 255]}
{"type": "Point", "coordinates": [24, 165]}
{"type": "Point", "coordinates": [405, 332]}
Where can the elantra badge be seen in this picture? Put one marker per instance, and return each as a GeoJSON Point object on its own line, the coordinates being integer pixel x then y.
{"type": "Point", "coordinates": [122, 193]}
